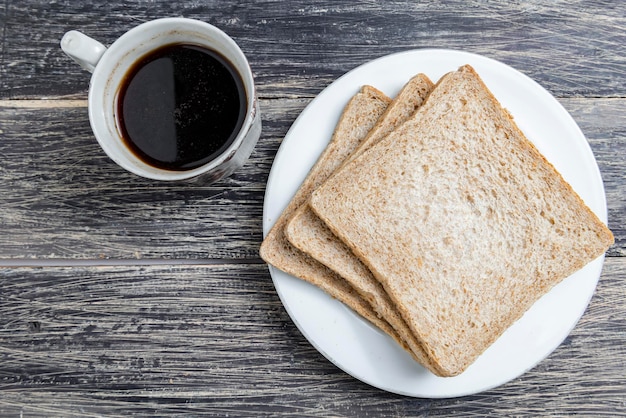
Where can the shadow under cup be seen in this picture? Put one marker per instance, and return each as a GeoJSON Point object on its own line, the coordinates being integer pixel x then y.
{"type": "Point", "coordinates": [112, 71]}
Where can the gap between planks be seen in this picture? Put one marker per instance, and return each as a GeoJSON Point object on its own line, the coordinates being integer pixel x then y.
{"type": "Point", "coordinates": [43, 103]}
{"type": "Point", "coordinates": [77, 103]}
{"type": "Point", "coordinates": [18, 263]}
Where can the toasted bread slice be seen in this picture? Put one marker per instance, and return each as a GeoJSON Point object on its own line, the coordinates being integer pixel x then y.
{"type": "Point", "coordinates": [461, 219]}
{"type": "Point", "coordinates": [309, 234]}
{"type": "Point", "coordinates": [359, 116]}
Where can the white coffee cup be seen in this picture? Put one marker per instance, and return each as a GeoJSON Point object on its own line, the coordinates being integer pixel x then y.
{"type": "Point", "coordinates": [110, 65]}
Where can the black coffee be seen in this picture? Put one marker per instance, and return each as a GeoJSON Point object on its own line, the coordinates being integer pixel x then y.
{"type": "Point", "coordinates": [180, 106]}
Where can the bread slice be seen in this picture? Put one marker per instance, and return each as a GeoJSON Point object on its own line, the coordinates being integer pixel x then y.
{"type": "Point", "coordinates": [309, 234]}
{"type": "Point", "coordinates": [359, 116]}
{"type": "Point", "coordinates": [461, 219]}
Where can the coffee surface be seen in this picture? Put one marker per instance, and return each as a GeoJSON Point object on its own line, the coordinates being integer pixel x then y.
{"type": "Point", "coordinates": [180, 106]}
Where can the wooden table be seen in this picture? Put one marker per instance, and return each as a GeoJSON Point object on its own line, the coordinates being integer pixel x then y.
{"type": "Point", "coordinates": [121, 296]}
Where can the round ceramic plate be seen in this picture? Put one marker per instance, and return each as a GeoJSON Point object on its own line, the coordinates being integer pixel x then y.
{"type": "Point", "coordinates": [352, 343]}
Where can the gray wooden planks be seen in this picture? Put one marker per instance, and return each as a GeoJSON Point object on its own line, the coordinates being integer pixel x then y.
{"type": "Point", "coordinates": [215, 340]}
{"type": "Point", "coordinates": [62, 198]}
{"type": "Point", "coordinates": [296, 48]}
{"type": "Point", "coordinates": [145, 336]}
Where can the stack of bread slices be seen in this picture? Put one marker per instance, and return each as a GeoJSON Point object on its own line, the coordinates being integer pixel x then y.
{"type": "Point", "coordinates": [434, 217]}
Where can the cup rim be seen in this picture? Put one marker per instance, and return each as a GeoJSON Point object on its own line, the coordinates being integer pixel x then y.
{"type": "Point", "coordinates": [97, 113]}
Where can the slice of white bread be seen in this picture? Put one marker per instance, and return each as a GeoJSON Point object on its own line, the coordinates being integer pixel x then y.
{"type": "Point", "coordinates": [461, 219]}
{"type": "Point", "coordinates": [309, 234]}
{"type": "Point", "coordinates": [359, 116]}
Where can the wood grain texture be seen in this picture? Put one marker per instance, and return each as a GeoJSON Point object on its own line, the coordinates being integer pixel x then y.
{"type": "Point", "coordinates": [62, 198]}
{"type": "Point", "coordinates": [295, 48]}
{"type": "Point", "coordinates": [150, 298]}
{"type": "Point", "coordinates": [215, 340]}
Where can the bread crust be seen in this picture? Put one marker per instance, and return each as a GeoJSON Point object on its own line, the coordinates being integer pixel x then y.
{"type": "Point", "coordinates": [358, 117]}
{"type": "Point", "coordinates": [461, 219]}
{"type": "Point", "coordinates": [309, 234]}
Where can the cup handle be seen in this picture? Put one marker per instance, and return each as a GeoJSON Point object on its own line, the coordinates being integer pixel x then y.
{"type": "Point", "coordinates": [82, 49]}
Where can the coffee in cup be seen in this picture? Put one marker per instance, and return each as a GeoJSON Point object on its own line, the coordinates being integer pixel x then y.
{"type": "Point", "coordinates": [171, 99]}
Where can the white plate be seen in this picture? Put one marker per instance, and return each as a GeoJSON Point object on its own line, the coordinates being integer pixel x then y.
{"type": "Point", "coordinates": [352, 343]}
